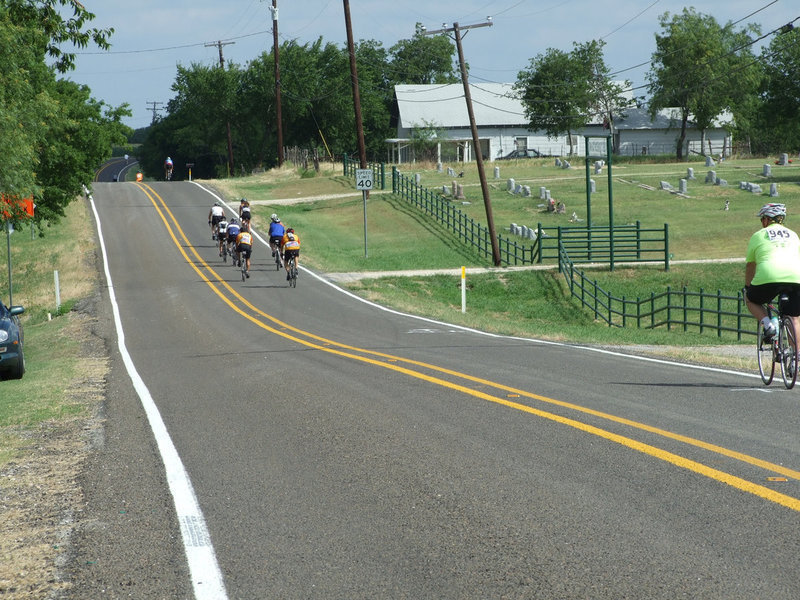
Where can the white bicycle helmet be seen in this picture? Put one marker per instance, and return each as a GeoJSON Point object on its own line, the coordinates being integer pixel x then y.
{"type": "Point", "coordinates": [274, 218]}
{"type": "Point", "coordinates": [772, 211]}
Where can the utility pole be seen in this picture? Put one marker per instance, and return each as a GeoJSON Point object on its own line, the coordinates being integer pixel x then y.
{"type": "Point", "coordinates": [154, 108]}
{"type": "Point", "coordinates": [475, 141]}
{"type": "Point", "coordinates": [220, 44]}
{"type": "Point", "coordinates": [274, 10]}
{"type": "Point", "coordinates": [362, 149]}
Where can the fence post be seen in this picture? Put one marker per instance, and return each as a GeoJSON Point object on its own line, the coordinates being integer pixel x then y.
{"type": "Point", "coordinates": [383, 176]}
{"type": "Point", "coordinates": [638, 240]}
{"type": "Point", "coordinates": [702, 297]}
{"type": "Point", "coordinates": [652, 310]}
{"type": "Point", "coordinates": [394, 179]}
{"type": "Point", "coordinates": [624, 304]}
{"type": "Point", "coordinates": [539, 241]}
{"type": "Point", "coordinates": [719, 313]}
{"type": "Point", "coordinates": [666, 247]}
{"type": "Point", "coordinates": [685, 313]}
{"type": "Point", "coordinates": [560, 242]}
{"type": "Point", "coordinates": [669, 308]}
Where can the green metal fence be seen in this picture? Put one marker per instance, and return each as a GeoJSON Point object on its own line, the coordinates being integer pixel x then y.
{"type": "Point", "coordinates": [378, 170]}
{"type": "Point", "coordinates": [674, 309]}
{"type": "Point", "coordinates": [628, 243]}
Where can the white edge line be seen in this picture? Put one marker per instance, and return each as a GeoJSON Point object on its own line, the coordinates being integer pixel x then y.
{"type": "Point", "coordinates": [497, 335]}
{"type": "Point", "coordinates": [205, 573]}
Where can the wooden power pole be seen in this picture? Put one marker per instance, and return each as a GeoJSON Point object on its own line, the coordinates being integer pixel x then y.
{"type": "Point", "coordinates": [475, 141]}
{"type": "Point", "coordinates": [219, 45]}
{"type": "Point", "coordinates": [274, 10]}
{"type": "Point", "coordinates": [362, 149]}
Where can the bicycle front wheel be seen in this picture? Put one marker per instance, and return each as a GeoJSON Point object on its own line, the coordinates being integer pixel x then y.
{"type": "Point", "coordinates": [766, 357]}
{"type": "Point", "coordinates": [787, 341]}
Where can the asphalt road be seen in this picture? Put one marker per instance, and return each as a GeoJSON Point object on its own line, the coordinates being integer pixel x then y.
{"type": "Point", "coordinates": [338, 450]}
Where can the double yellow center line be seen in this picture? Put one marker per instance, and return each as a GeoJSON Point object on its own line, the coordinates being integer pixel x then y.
{"type": "Point", "coordinates": [422, 370]}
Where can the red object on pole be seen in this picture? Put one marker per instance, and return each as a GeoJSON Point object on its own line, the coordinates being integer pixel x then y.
{"type": "Point", "coordinates": [17, 208]}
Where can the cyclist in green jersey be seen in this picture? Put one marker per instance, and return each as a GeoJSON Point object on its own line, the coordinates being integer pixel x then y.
{"type": "Point", "coordinates": [773, 267]}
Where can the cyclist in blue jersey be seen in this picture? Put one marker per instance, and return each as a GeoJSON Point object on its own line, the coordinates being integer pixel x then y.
{"type": "Point", "coordinates": [233, 231]}
{"type": "Point", "coordinates": [276, 231]}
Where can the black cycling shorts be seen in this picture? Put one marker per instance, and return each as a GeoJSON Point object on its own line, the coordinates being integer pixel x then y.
{"type": "Point", "coordinates": [287, 254]}
{"type": "Point", "coordinates": [766, 292]}
{"type": "Point", "coordinates": [245, 250]}
{"type": "Point", "coordinates": [216, 219]}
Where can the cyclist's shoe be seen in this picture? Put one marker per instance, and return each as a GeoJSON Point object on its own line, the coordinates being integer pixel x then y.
{"type": "Point", "coordinates": [288, 277]}
{"type": "Point", "coordinates": [247, 274]}
{"type": "Point", "coordinates": [770, 333]}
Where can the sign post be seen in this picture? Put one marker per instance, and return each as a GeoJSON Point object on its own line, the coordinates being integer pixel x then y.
{"type": "Point", "coordinates": [189, 166]}
{"type": "Point", "coordinates": [364, 181]}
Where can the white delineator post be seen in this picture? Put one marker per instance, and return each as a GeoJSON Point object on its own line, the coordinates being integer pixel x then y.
{"type": "Point", "coordinates": [463, 289]}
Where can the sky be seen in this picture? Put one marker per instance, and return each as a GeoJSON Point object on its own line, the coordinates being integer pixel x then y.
{"type": "Point", "coordinates": [152, 38]}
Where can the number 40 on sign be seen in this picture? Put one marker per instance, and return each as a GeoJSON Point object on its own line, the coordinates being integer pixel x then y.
{"type": "Point", "coordinates": [364, 179]}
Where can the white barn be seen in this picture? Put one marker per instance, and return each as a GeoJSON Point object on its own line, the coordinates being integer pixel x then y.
{"type": "Point", "coordinates": [503, 128]}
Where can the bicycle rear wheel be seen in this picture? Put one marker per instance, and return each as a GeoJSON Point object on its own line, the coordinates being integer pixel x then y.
{"type": "Point", "coordinates": [766, 357]}
{"type": "Point", "coordinates": [787, 341]}
{"type": "Point", "coordinates": [292, 273]}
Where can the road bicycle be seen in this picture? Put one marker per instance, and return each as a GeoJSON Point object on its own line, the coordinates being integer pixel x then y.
{"type": "Point", "coordinates": [781, 348]}
{"type": "Point", "coordinates": [225, 250]}
{"type": "Point", "coordinates": [277, 254]}
{"type": "Point", "coordinates": [243, 264]}
{"type": "Point", "coordinates": [292, 272]}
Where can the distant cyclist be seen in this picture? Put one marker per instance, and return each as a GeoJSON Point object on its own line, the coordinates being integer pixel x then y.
{"type": "Point", "coordinates": [215, 215]}
{"type": "Point", "coordinates": [244, 246]}
{"type": "Point", "coordinates": [244, 210]}
{"type": "Point", "coordinates": [233, 232]}
{"type": "Point", "coordinates": [276, 231]}
{"type": "Point", "coordinates": [222, 234]}
{"type": "Point", "coordinates": [290, 245]}
{"type": "Point", "coordinates": [168, 169]}
{"type": "Point", "coordinates": [773, 267]}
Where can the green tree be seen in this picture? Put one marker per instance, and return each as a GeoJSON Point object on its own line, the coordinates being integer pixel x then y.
{"type": "Point", "coordinates": [44, 16]}
{"type": "Point", "coordinates": [52, 133]}
{"type": "Point", "coordinates": [562, 91]}
{"type": "Point", "coordinates": [79, 137]}
{"type": "Point", "coordinates": [777, 115]}
{"type": "Point", "coordinates": [25, 108]}
{"type": "Point", "coordinates": [701, 68]}
{"type": "Point", "coordinates": [424, 59]}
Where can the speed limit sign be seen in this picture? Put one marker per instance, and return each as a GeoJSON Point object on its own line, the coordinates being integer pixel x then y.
{"type": "Point", "coordinates": [364, 179]}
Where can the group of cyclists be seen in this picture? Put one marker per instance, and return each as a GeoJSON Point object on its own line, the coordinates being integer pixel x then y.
{"type": "Point", "coordinates": [236, 236]}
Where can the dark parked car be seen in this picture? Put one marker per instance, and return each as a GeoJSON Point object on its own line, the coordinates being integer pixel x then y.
{"type": "Point", "coordinates": [529, 153]}
{"type": "Point", "coordinates": [12, 360]}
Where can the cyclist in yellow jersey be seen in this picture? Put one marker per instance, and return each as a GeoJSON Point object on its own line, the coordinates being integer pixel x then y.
{"type": "Point", "coordinates": [773, 267]}
{"type": "Point", "coordinates": [244, 245]}
{"type": "Point", "coordinates": [290, 247]}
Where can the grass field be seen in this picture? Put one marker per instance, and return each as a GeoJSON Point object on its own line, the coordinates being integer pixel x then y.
{"type": "Point", "coordinates": [54, 359]}
{"type": "Point", "coordinates": [530, 303]}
